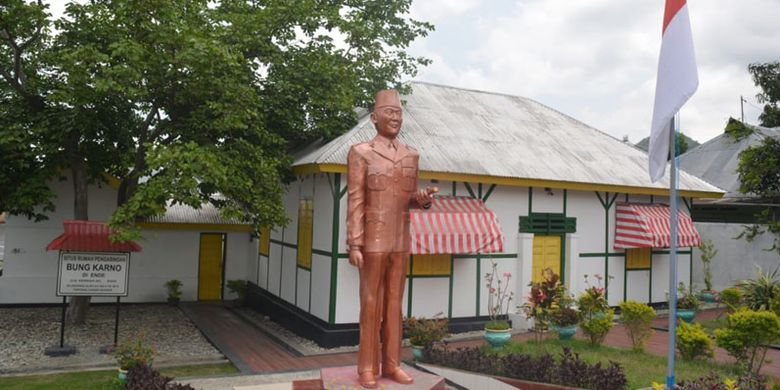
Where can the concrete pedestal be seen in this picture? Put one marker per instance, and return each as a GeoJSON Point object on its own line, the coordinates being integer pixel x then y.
{"type": "Point", "coordinates": [346, 378]}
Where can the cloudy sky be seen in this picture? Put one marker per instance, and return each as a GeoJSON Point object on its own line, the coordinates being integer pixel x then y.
{"type": "Point", "coordinates": [596, 60]}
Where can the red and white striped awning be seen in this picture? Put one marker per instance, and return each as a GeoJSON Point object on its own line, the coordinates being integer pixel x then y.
{"type": "Point", "coordinates": [89, 236]}
{"type": "Point", "coordinates": [455, 225]}
{"type": "Point", "coordinates": [646, 225]}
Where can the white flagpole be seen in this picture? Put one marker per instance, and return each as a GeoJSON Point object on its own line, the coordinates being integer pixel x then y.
{"type": "Point", "coordinates": [670, 383]}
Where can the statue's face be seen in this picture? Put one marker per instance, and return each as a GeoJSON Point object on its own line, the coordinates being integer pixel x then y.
{"type": "Point", "coordinates": [387, 120]}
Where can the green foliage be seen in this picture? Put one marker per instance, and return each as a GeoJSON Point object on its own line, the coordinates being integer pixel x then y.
{"type": "Point", "coordinates": [747, 336]}
{"type": "Point", "coordinates": [680, 144]}
{"type": "Point", "coordinates": [564, 316]}
{"type": "Point", "coordinates": [204, 100]}
{"type": "Point", "coordinates": [708, 252]}
{"type": "Point", "coordinates": [596, 325]}
{"type": "Point", "coordinates": [686, 298]}
{"type": "Point", "coordinates": [497, 325]}
{"type": "Point", "coordinates": [767, 77]}
{"type": "Point", "coordinates": [693, 342]}
{"type": "Point", "coordinates": [174, 289]}
{"type": "Point", "coordinates": [637, 317]}
{"type": "Point", "coordinates": [133, 352]}
{"type": "Point", "coordinates": [732, 298]}
{"type": "Point", "coordinates": [238, 287]}
{"type": "Point", "coordinates": [546, 296]}
{"type": "Point", "coordinates": [738, 130]}
{"type": "Point", "coordinates": [424, 332]}
{"type": "Point", "coordinates": [759, 174]}
{"type": "Point", "coordinates": [759, 292]}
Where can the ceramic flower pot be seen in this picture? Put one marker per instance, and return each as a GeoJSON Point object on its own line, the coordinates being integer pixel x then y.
{"type": "Point", "coordinates": [565, 332]}
{"type": "Point", "coordinates": [498, 338]}
{"type": "Point", "coordinates": [708, 296]}
{"type": "Point", "coordinates": [417, 352]}
{"type": "Point", "coordinates": [686, 315]}
{"type": "Point", "coordinates": [122, 375]}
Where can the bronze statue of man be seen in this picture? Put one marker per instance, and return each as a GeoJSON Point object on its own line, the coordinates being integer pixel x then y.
{"type": "Point", "coordinates": [382, 186]}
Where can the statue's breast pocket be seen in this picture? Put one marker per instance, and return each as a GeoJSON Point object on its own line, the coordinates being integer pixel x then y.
{"type": "Point", "coordinates": [376, 180]}
{"type": "Point", "coordinates": [409, 175]}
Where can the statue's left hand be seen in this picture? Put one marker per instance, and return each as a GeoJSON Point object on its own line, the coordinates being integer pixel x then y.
{"type": "Point", "coordinates": [425, 197]}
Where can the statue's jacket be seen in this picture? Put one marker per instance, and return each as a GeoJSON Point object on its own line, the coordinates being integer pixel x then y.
{"type": "Point", "coordinates": [381, 182]}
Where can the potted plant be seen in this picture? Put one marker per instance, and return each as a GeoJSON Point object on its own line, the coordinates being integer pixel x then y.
{"type": "Point", "coordinates": [424, 332]}
{"type": "Point", "coordinates": [595, 314]}
{"type": "Point", "coordinates": [687, 303]}
{"type": "Point", "coordinates": [239, 288]}
{"type": "Point", "coordinates": [545, 295]}
{"type": "Point", "coordinates": [498, 330]}
{"type": "Point", "coordinates": [174, 291]}
{"type": "Point", "coordinates": [708, 252]}
{"type": "Point", "coordinates": [131, 353]}
{"type": "Point", "coordinates": [564, 322]}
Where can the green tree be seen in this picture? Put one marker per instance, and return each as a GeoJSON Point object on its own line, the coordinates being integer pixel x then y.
{"type": "Point", "coordinates": [767, 77]}
{"type": "Point", "coordinates": [202, 99]}
{"type": "Point", "coordinates": [759, 174]}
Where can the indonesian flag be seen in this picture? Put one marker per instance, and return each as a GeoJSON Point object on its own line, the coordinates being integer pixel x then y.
{"type": "Point", "coordinates": [677, 81]}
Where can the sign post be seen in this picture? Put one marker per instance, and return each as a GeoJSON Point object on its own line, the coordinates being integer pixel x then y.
{"type": "Point", "coordinates": [94, 274]}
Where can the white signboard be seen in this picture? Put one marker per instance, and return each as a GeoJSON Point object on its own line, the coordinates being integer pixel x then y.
{"type": "Point", "coordinates": [93, 274]}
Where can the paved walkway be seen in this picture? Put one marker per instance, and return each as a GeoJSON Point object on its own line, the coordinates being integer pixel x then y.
{"type": "Point", "coordinates": [254, 352]}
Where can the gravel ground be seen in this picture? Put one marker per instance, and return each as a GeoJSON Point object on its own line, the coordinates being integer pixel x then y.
{"type": "Point", "coordinates": [26, 332]}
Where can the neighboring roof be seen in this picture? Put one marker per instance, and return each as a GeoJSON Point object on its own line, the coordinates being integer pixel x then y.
{"type": "Point", "coordinates": [468, 135]}
{"type": "Point", "coordinates": [716, 160]}
{"type": "Point", "coordinates": [644, 143]}
{"type": "Point", "coordinates": [206, 214]}
{"type": "Point", "coordinates": [89, 236]}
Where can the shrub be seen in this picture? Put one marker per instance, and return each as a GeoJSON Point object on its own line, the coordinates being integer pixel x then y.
{"type": "Point", "coordinates": [732, 298]}
{"type": "Point", "coordinates": [708, 252]}
{"type": "Point", "coordinates": [686, 298]}
{"type": "Point", "coordinates": [747, 336]}
{"type": "Point", "coordinates": [424, 332]}
{"type": "Point", "coordinates": [565, 316]}
{"type": "Point", "coordinates": [545, 295]}
{"type": "Point", "coordinates": [134, 352]}
{"type": "Point", "coordinates": [174, 290]}
{"type": "Point", "coordinates": [760, 291]}
{"type": "Point", "coordinates": [714, 382]}
{"type": "Point", "coordinates": [568, 370]}
{"type": "Point", "coordinates": [637, 317]}
{"type": "Point", "coordinates": [693, 342]}
{"type": "Point", "coordinates": [596, 327]}
{"type": "Point", "coordinates": [143, 377]}
{"type": "Point", "coordinates": [238, 287]}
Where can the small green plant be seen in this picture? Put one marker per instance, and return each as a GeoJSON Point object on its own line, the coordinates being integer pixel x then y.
{"type": "Point", "coordinates": [239, 288]}
{"type": "Point", "coordinates": [424, 332]}
{"type": "Point", "coordinates": [133, 352]}
{"type": "Point", "coordinates": [686, 298]}
{"type": "Point", "coordinates": [760, 291]}
{"type": "Point", "coordinates": [564, 316]}
{"type": "Point", "coordinates": [596, 326]}
{"type": "Point", "coordinates": [174, 290]}
{"type": "Point", "coordinates": [693, 342]}
{"type": "Point", "coordinates": [732, 298]}
{"type": "Point", "coordinates": [499, 298]}
{"type": "Point", "coordinates": [748, 335]}
{"type": "Point", "coordinates": [708, 252]}
{"type": "Point", "coordinates": [637, 317]}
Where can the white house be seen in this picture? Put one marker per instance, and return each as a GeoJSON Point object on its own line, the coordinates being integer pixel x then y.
{"type": "Point", "coordinates": [197, 247]}
{"type": "Point", "coordinates": [553, 181]}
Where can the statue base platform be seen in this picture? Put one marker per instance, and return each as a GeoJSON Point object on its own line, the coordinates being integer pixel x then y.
{"type": "Point", "coordinates": [346, 378]}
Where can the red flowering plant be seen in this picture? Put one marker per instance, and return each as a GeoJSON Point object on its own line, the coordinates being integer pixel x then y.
{"type": "Point", "coordinates": [593, 299]}
{"type": "Point", "coordinates": [546, 298]}
{"type": "Point", "coordinates": [499, 298]}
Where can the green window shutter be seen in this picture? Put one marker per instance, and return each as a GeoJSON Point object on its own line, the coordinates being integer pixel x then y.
{"type": "Point", "coordinates": [547, 223]}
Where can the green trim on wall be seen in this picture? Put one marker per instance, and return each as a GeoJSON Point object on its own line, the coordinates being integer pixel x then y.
{"type": "Point", "coordinates": [666, 252]}
{"type": "Point", "coordinates": [334, 255]}
{"type": "Point", "coordinates": [282, 243]}
{"type": "Point", "coordinates": [606, 203]}
{"type": "Point", "coordinates": [321, 252]}
{"type": "Point", "coordinates": [479, 274]}
{"type": "Point", "coordinates": [494, 256]}
{"type": "Point", "coordinates": [281, 264]}
{"type": "Point", "coordinates": [295, 300]}
{"type": "Point", "coordinates": [454, 188]}
{"type": "Point", "coordinates": [469, 189]}
{"type": "Point", "coordinates": [409, 281]}
{"type": "Point", "coordinates": [564, 202]}
{"type": "Point", "coordinates": [650, 287]}
{"type": "Point", "coordinates": [601, 254]}
{"type": "Point", "coordinates": [488, 193]}
{"type": "Point", "coordinates": [530, 200]}
{"type": "Point", "coordinates": [449, 300]}
{"type": "Point", "coordinates": [547, 224]}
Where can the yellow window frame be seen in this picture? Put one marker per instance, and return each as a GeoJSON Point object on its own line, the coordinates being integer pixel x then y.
{"type": "Point", "coordinates": [305, 230]}
{"type": "Point", "coordinates": [430, 265]}
{"type": "Point", "coordinates": [638, 258]}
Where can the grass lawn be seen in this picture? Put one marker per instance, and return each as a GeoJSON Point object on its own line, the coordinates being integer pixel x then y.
{"type": "Point", "coordinates": [641, 368]}
{"type": "Point", "coordinates": [102, 380]}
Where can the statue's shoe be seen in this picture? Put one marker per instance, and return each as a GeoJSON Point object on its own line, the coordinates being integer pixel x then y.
{"type": "Point", "coordinates": [367, 380]}
{"type": "Point", "coordinates": [399, 376]}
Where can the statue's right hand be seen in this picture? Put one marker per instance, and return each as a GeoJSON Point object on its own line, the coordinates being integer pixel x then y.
{"type": "Point", "coordinates": [356, 258]}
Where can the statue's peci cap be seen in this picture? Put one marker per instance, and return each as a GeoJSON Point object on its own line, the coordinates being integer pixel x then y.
{"type": "Point", "coordinates": [387, 97]}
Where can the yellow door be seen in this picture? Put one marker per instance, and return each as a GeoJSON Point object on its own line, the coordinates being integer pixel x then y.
{"type": "Point", "coordinates": [547, 254]}
{"type": "Point", "coordinates": [210, 268]}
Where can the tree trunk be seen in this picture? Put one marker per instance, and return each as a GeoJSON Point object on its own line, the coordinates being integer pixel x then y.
{"type": "Point", "coordinates": [79, 306]}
